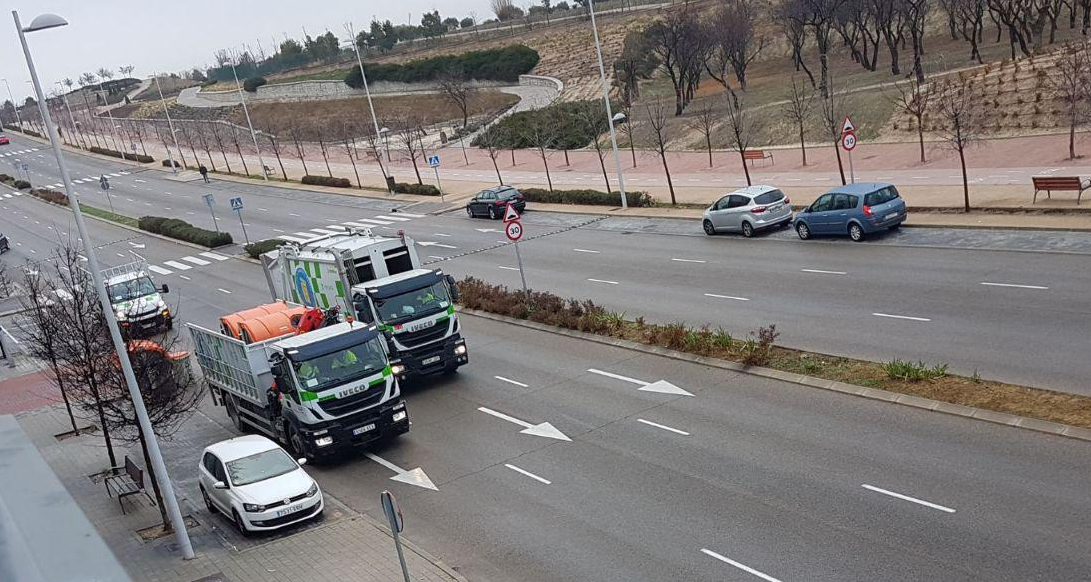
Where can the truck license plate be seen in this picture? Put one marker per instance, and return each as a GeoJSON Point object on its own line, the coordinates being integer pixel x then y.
{"type": "Point", "coordinates": [363, 429]}
{"type": "Point", "coordinates": [289, 510]}
{"type": "Point", "coordinates": [431, 360]}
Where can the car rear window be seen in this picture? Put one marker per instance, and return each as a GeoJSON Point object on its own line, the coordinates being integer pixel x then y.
{"type": "Point", "coordinates": [769, 197]}
{"type": "Point", "coordinates": [881, 197]}
{"type": "Point", "coordinates": [507, 194]}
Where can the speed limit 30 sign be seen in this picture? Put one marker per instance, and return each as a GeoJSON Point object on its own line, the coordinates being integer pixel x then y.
{"type": "Point", "coordinates": [514, 230]}
{"type": "Point", "coordinates": [848, 141]}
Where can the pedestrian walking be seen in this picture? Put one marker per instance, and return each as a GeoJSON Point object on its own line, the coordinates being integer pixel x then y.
{"type": "Point", "coordinates": [204, 172]}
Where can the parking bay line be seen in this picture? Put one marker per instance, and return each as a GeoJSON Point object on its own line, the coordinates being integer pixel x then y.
{"type": "Point", "coordinates": [688, 260]}
{"type": "Point", "coordinates": [908, 317]}
{"type": "Point", "coordinates": [603, 281]}
{"type": "Point", "coordinates": [662, 426]}
{"type": "Point", "coordinates": [726, 297]}
{"type": "Point", "coordinates": [528, 474]}
{"type": "Point", "coordinates": [586, 251]}
{"type": "Point", "coordinates": [739, 565]}
{"type": "Point", "coordinates": [1014, 286]}
{"type": "Point", "coordinates": [908, 498]}
{"type": "Point", "coordinates": [821, 272]}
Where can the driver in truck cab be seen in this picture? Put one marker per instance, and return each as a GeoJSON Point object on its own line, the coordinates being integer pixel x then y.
{"type": "Point", "coordinates": [307, 371]}
{"type": "Point", "coordinates": [346, 359]}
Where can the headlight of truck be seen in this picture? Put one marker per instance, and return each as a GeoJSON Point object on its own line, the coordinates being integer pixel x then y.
{"type": "Point", "coordinates": [161, 304]}
{"type": "Point", "coordinates": [397, 369]}
{"type": "Point", "coordinates": [324, 441]}
{"type": "Point", "coordinates": [460, 349]}
{"type": "Point", "coordinates": [251, 508]}
{"type": "Point", "coordinates": [120, 314]}
{"type": "Point", "coordinates": [398, 416]}
{"type": "Point", "coordinates": [313, 490]}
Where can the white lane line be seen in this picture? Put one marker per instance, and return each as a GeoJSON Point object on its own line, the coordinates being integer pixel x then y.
{"type": "Point", "coordinates": [440, 234]}
{"type": "Point", "coordinates": [908, 498]}
{"type": "Point", "coordinates": [185, 277]}
{"type": "Point", "coordinates": [586, 251]}
{"type": "Point", "coordinates": [738, 565]}
{"type": "Point", "coordinates": [277, 230]}
{"type": "Point", "coordinates": [139, 180]}
{"type": "Point", "coordinates": [1013, 285]}
{"type": "Point", "coordinates": [436, 257]}
{"type": "Point", "coordinates": [617, 377]}
{"type": "Point", "coordinates": [509, 268]}
{"type": "Point", "coordinates": [528, 474]}
{"type": "Point", "coordinates": [160, 270]}
{"type": "Point", "coordinates": [177, 265]}
{"type": "Point", "coordinates": [196, 261]}
{"type": "Point", "coordinates": [167, 208]}
{"type": "Point", "coordinates": [373, 221]}
{"type": "Point", "coordinates": [294, 239]}
{"type": "Point", "coordinates": [726, 297]}
{"type": "Point", "coordinates": [394, 218]}
{"type": "Point", "coordinates": [129, 200]}
{"type": "Point", "coordinates": [120, 255]}
{"type": "Point", "coordinates": [821, 272]}
{"type": "Point", "coordinates": [510, 381]}
{"type": "Point", "coordinates": [603, 281]}
{"type": "Point", "coordinates": [662, 426]}
{"type": "Point", "coordinates": [221, 290]}
{"type": "Point", "coordinates": [910, 318]}
{"type": "Point", "coordinates": [293, 214]}
{"type": "Point", "coordinates": [688, 260]}
{"type": "Point", "coordinates": [263, 210]}
{"type": "Point", "coordinates": [214, 256]}
{"type": "Point", "coordinates": [410, 215]}
{"type": "Point", "coordinates": [441, 245]}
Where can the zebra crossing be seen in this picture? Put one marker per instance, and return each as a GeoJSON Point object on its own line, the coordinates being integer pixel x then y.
{"type": "Point", "coordinates": [187, 262]}
{"type": "Point", "coordinates": [19, 152]}
{"type": "Point", "coordinates": [86, 179]}
{"type": "Point", "coordinates": [329, 229]}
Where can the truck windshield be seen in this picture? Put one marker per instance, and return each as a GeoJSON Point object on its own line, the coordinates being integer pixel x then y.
{"type": "Point", "coordinates": [414, 304]}
{"type": "Point", "coordinates": [132, 289]}
{"type": "Point", "coordinates": [348, 365]}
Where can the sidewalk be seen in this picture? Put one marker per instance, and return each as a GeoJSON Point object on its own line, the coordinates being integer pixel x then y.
{"type": "Point", "coordinates": [342, 546]}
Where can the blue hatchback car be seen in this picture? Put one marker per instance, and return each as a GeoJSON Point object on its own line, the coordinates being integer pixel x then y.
{"type": "Point", "coordinates": [854, 209]}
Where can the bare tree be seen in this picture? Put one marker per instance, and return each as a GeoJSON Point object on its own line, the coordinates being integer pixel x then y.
{"type": "Point", "coordinates": [678, 43]}
{"type": "Point", "coordinates": [819, 16]}
{"type": "Point", "coordinates": [916, 17]}
{"type": "Point", "coordinates": [733, 39]}
{"type": "Point", "coordinates": [636, 62]}
{"type": "Point", "coordinates": [592, 118]}
{"type": "Point", "coordinates": [657, 124]}
{"type": "Point", "coordinates": [743, 127]}
{"type": "Point", "coordinates": [193, 150]}
{"type": "Point", "coordinates": [456, 88]}
{"type": "Point", "coordinates": [408, 128]}
{"type": "Point", "coordinates": [914, 98]}
{"type": "Point", "coordinates": [789, 15]}
{"type": "Point", "coordinates": [832, 110]}
{"type": "Point", "coordinates": [202, 134]}
{"type": "Point", "coordinates": [126, 70]}
{"type": "Point", "coordinates": [347, 130]}
{"type": "Point", "coordinates": [1072, 82]}
{"type": "Point", "coordinates": [540, 131]}
{"type": "Point", "coordinates": [294, 131]}
{"type": "Point", "coordinates": [238, 149]}
{"type": "Point", "coordinates": [963, 117]}
{"type": "Point", "coordinates": [628, 128]}
{"type": "Point", "coordinates": [704, 122]}
{"type": "Point", "coordinates": [798, 109]}
{"type": "Point", "coordinates": [969, 20]}
{"type": "Point", "coordinates": [40, 328]}
{"type": "Point", "coordinates": [492, 140]}
{"type": "Point", "coordinates": [325, 151]}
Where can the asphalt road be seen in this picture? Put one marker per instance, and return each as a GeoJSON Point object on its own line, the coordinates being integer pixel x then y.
{"type": "Point", "coordinates": [1010, 306]}
{"type": "Point", "coordinates": [744, 478]}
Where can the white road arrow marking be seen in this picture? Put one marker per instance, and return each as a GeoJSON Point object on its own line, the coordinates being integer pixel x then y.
{"type": "Point", "coordinates": [411, 477]}
{"type": "Point", "coordinates": [137, 245]}
{"type": "Point", "coordinates": [435, 244]}
{"type": "Point", "coordinates": [660, 386]}
{"type": "Point", "coordinates": [543, 429]}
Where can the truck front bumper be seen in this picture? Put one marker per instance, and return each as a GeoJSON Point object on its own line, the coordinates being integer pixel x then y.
{"type": "Point", "coordinates": [364, 428]}
{"type": "Point", "coordinates": [436, 357]}
{"type": "Point", "coordinates": [147, 325]}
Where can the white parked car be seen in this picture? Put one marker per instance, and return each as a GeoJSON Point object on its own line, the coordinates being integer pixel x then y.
{"type": "Point", "coordinates": [257, 484]}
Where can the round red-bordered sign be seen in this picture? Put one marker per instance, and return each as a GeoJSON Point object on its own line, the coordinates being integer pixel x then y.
{"type": "Point", "coordinates": [514, 230]}
{"type": "Point", "coordinates": [848, 141]}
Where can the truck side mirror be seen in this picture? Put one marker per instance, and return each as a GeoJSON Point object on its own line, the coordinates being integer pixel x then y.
{"type": "Point", "coordinates": [363, 312]}
{"type": "Point", "coordinates": [164, 289]}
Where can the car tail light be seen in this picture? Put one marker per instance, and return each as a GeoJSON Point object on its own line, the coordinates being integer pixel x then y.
{"type": "Point", "coordinates": [867, 210]}
{"type": "Point", "coordinates": [787, 201]}
{"type": "Point", "coordinates": [757, 210]}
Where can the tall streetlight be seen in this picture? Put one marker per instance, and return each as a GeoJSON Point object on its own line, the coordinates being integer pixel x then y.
{"type": "Point", "coordinates": [374, 120]}
{"type": "Point", "coordinates": [606, 97]}
{"type": "Point", "coordinates": [43, 22]}
{"type": "Point", "coordinates": [18, 119]}
{"type": "Point", "coordinates": [245, 110]}
{"type": "Point", "coordinates": [170, 124]}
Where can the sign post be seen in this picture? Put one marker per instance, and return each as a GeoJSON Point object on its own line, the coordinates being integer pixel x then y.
{"type": "Point", "coordinates": [236, 205]}
{"type": "Point", "coordinates": [104, 183]}
{"type": "Point", "coordinates": [397, 523]}
{"type": "Point", "coordinates": [433, 161]}
{"type": "Point", "coordinates": [210, 201]}
{"type": "Point", "coordinates": [513, 227]}
{"type": "Point", "coordinates": [848, 142]}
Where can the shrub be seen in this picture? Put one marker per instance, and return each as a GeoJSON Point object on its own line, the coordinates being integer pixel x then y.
{"type": "Point", "coordinates": [251, 85]}
{"type": "Point", "coordinates": [21, 184]}
{"type": "Point", "coordinates": [259, 248]}
{"type": "Point", "coordinates": [123, 155]}
{"type": "Point", "coordinates": [759, 346]}
{"type": "Point", "coordinates": [567, 119]}
{"type": "Point", "coordinates": [167, 163]}
{"type": "Point", "coordinates": [7, 179]}
{"type": "Point", "coordinates": [327, 181]}
{"type": "Point", "coordinates": [422, 189]}
{"type": "Point", "coordinates": [590, 197]}
{"type": "Point", "coordinates": [182, 230]}
{"type": "Point", "coordinates": [913, 371]}
{"type": "Point", "coordinates": [50, 196]}
{"type": "Point", "coordinates": [503, 64]}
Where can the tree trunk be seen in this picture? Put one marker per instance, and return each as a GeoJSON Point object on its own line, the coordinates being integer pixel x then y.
{"type": "Point", "coordinates": [1072, 138]}
{"type": "Point", "coordinates": [745, 169]}
{"type": "Point", "coordinates": [965, 180]}
{"type": "Point", "coordinates": [238, 149]}
{"type": "Point", "coordinates": [892, 47]}
{"type": "Point", "coordinates": [667, 171]}
{"type": "Point", "coordinates": [325, 156]}
{"type": "Point", "coordinates": [566, 162]}
{"type": "Point", "coordinates": [605, 177]}
{"type": "Point", "coordinates": [545, 164]}
{"type": "Point", "coordinates": [167, 526]}
{"type": "Point", "coordinates": [413, 156]}
{"type": "Point", "coordinates": [354, 170]}
{"type": "Point", "coordinates": [276, 152]}
{"type": "Point", "coordinates": [513, 157]}
{"type": "Point", "coordinates": [300, 152]}
{"type": "Point", "coordinates": [499, 178]}
{"type": "Point", "coordinates": [920, 136]}
{"type": "Point", "coordinates": [840, 166]}
{"type": "Point", "coordinates": [708, 143]}
{"type": "Point", "coordinates": [102, 421]}
{"type": "Point", "coordinates": [632, 147]}
{"type": "Point", "coordinates": [802, 145]}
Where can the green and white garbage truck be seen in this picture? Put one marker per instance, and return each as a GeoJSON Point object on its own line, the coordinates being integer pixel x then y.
{"type": "Point", "coordinates": [381, 281]}
{"type": "Point", "coordinates": [319, 393]}
{"type": "Point", "coordinates": [137, 303]}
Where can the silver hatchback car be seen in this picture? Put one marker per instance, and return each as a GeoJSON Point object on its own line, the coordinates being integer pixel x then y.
{"type": "Point", "coordinates": [748, 210]}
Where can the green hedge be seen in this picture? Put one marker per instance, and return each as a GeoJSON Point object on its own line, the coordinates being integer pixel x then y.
{"type": "Point", "coordinates": [589, 197]}
{"type": "Point", "coordinates": [22, 184]}
{"type": "Point", "coordinates": [259, 248]}
{"type": "Point", "coordinates": [567, 123]}
{"type": "Point", "coordinates": [182, 230]}
{"type": "Point", "coordinates": [422, 189]}
{"type": "Point", "coordinates": [7, 179]}
{"type": "Point", "coordinates": [251, 85]}
{"type": "Point", "coordinates": [166, 164]}
{"type": "Point", "coordinates": [50, 196]}
{"type": "Point", "coordinates": [123, 155]}
{"type": "Point", "coordinates": [503, 64]}
{"type": "Point", "coordinates": [327, 181]}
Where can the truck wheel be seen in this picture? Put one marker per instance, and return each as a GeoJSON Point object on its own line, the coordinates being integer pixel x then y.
{"type": "Point", "coordinates": [233, 414]}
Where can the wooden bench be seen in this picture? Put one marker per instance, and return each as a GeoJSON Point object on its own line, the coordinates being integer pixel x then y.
{"type": "Point", "coordinates": [757, 155]}
{"type": "Point", "coordinates": [130, 482]}
{"type": "Point", "coordinates": [1050, 183]}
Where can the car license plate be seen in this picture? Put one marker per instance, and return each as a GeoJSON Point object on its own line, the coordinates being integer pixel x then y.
{"type": "Point", "coordinates": [290, 510]}
{"type": "Point", "coordinates": [891, 215]}
{"type": "Point", "coordinates": [363, 429]}
{"type": "Point", "coordinates": [431, 360]}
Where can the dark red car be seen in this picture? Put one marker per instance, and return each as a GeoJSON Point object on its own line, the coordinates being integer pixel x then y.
{"type": "Point", "coordinates": [4, 140]}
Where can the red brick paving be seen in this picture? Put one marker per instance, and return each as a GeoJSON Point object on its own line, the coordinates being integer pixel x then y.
{"type": "Point", "coordinates": [28, 392]}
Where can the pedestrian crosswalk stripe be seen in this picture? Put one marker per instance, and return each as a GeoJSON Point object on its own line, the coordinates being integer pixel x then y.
{"type": "Point", "coordinates": [160, 270]}
{"type": "Point", "coordinates": [336, 227]}
{"type": "Point", "coordinates": [294, 239]}
{"type": "Point", "coordinates": [305, 235]}
{"type": "Point", "coordinates": [17, 193]}
{"type": "Point", "coordinates": [177, 265]}
{"type": "Point", "coordinates": [196, 261]}
{"type": "Point", "coordinates": [396, 218]}
{"type": "Point", "coordinates": [324, 231]}
{"type": "Point", "coordinates": [372, 221]}
{"type": "Point", "coordinates": [358, 225]}
{"type": "Point", "coordinates": [214, 256]}
{"type": "Point", "coordinates": [113, 175]}
{"type": "Point", "coordinates": [7, 196]}
{"type": "Point", "coordinates": [410, 215]}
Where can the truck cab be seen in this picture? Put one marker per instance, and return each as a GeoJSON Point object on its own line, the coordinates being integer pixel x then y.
{"type": "Point", "coordinates": [416, 310]}
{"type": "Point", "coordinates": [137, 303]}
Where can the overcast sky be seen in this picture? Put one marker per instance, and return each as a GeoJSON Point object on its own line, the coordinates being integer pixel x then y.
{"type": "Point", "coordinates": [142, 33]}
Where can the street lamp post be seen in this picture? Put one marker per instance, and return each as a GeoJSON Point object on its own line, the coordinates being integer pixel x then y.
{"type": "Point", "coordinates": [44, 22]}
{"type": "Point", "coordinates": [18, 119]}
{"type": "Point", "coordinates": [170, 125]}
{"type": "Point", "coordinates": [246, 111]}
{"type": "Point", "coordinates": [606, 98]}
{"type": "Point", "coordinates": [374, 120]}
